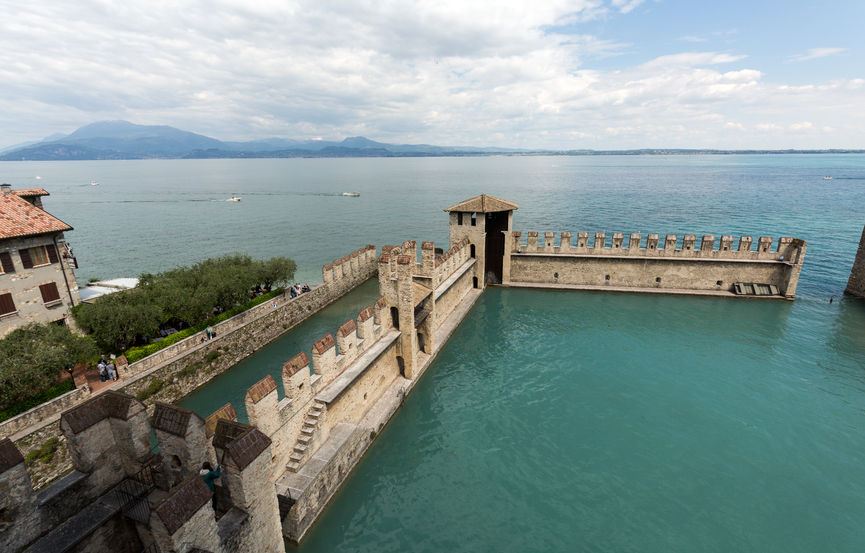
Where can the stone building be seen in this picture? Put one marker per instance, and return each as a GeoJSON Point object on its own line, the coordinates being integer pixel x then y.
{"type": "Point", "coordinates": [36, 279]}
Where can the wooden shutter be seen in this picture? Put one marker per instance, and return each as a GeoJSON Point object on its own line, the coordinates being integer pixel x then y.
{"type": "Point", "coordinates": [6, 304]}
{"type": "Point", "coordinates": [25, 259]}
{"type": "Point", "coordinates": [49, 292]}
{"type": "Point", "coordinates": [52, 253]}
{"type": "Point", "coordinates": [6, 261]}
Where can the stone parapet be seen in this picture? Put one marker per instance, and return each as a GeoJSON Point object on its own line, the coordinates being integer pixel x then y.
{"type": "Point", "coordinates": [785, 249]}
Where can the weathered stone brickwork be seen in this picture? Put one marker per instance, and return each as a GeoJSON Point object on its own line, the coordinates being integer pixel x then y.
{"type": "Point", "coordinates": [856, 283]}
{"type": "Point", "coordinates": [691, 266]}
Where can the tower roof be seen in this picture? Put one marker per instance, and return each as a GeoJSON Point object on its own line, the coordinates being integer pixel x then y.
{"type": "Point", "coordinates": [484, 204]}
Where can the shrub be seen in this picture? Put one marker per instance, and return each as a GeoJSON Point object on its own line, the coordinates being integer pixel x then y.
{"type": "Point", "coordinates": [190, 369]}
{"type": "Point", "coordinates": [154, 386]}
{"type": "Point", "coordinates": [212, 355]}
{"type": "Point", "coordinates": [45, 452]}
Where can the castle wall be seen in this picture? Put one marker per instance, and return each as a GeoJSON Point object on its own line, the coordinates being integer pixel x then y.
{"type": "Point", "coordinates": [691, 265]}
{"type": "Point", "coordinates": [252, 492]}
{"type": "Point", "coordinates": [20, 520]}
{"type": "Point", "coordinates": [326, 482]}
{"type": "Point", "coordinates": [189, 364]}
{"type": "Point", "coordinates": [452, 296]}
{"type": "Point", "coordinates": [365, 390]}
{"type": "Point", "coordinates": [117, 535]}
{"type": "Point", "coordinates": [43, 412]}
{"type": "Point", "coordinates": [856, 283]}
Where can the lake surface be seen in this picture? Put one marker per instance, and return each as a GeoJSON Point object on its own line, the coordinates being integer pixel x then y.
{"type": "Point", "coordinates": [552, 421]}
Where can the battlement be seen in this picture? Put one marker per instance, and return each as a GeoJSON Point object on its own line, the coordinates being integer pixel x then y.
{"type": "Point", "coordinates": [785, 250]}
{"type": "Point", "coordinates": [451, 260]}
{"type": "Point", "coordinates": [709, 265]}
{"type": "Point", "coordinates": [350, 266]}
{"type": "Point", "coordinates": [115, 471]}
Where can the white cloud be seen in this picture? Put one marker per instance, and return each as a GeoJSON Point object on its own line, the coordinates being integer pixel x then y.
{"type": "Point", "coordinates": [816, 53]}
{"type": "Point", "coordinates": [626, 6]}
{"type": "Point", "coordinates": [452, 72]}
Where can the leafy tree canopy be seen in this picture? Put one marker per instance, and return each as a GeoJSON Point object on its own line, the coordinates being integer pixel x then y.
{"type": "Point", "coordinates": [187, 294]}
{"type": "Point", "coordinates": [32, 358]}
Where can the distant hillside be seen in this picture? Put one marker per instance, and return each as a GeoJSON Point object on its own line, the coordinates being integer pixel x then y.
{"type": "Point", "coordinates": [62, 152]}
{"type": "Point", "coordinates": [125, 140]}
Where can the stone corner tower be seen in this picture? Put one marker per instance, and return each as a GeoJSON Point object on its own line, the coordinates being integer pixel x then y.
{"type": "Point", "coordinates": [485, 221]}
{"type": "Point", "coordinates": [856, 283]}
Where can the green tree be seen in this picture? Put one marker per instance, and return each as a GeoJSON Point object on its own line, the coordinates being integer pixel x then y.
{"type": "Point", "coordinates": [190, 294]}
{"type": "Point", "coordinates": [116, 319]}
{"type": "Point", "coordinates": [32, 358]}
{"type": "Point", "coordinates": [276, 271]}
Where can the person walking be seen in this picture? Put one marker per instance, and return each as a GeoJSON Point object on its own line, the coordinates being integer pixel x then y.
{"type": "Point", "coordinates": [209, 475]}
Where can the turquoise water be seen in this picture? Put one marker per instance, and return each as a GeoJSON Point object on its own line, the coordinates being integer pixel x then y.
{"type": "Point", "coordinates": [551, 421]}
{"type": "Point", "coordinates": [558, 421]}
{"type": "Point", "coordinates": [231, 386]}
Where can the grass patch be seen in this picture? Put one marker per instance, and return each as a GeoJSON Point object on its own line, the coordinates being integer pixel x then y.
{"type": "Point", "coordinates": [212, 355]}
{"type": "Point", "coordinates": [152, 388]}
{"type": "Point", "coordinates": [45, 395]}
{"type": "Point", "coordinates": [190, 369]}
{"type": "Point", "coordinates": [45, 452]}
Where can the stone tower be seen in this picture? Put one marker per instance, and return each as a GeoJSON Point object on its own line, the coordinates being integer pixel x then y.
{"type": "Point", "coordinates": [856, 284]}
{"type": "Point", "coordinates": [485, 221]}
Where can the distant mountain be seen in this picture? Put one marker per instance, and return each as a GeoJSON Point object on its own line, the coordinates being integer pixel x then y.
{"type": "Point", "coordinates": [55, 136]}
{"type": "Point", "coordinates": [125, 140]}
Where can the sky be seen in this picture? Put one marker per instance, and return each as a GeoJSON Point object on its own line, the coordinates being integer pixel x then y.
{"type": "Point", "coordinates": [545, 74]}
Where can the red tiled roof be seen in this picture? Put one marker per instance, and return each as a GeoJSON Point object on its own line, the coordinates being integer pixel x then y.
{"type": "Point", "coordinates": [31, 192]}
{"type": "Point", "coordinates": [18, 217]}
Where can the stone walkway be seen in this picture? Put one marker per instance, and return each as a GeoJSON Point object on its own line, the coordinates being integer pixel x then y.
{"type": "Point", "coordinates": [636, 290]}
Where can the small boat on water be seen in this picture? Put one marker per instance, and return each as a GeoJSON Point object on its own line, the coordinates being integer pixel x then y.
{"type": "Point", "coordinates": [351, 194]}
{"type": "Point", "coordinates": [233, 198]}
{"type": "Point", "coordinates": [93, 183]}
{"type": "Point", "coordinates": [827, 178]}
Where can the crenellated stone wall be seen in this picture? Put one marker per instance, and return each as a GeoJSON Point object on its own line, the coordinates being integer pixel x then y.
{"type": "Point", "coordinates": [685, 264]}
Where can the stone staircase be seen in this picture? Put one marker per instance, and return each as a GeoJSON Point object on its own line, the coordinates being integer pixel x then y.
{"type": "Point", "coordinates": [311, 421]}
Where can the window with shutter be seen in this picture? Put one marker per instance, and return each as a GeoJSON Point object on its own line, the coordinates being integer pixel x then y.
{"type": "Point", "coordinates": [6, 262]}
{"type": "Point", "coordinates": [7, 306]}
{"type": "Point", "coordinates": [26, 262]}
{"type": "Point", "coordinates": [39, 255]}
{"type": "Point", "coordinates": [52, 253]}
{"type": "Point", "coordinates": [49, 292]}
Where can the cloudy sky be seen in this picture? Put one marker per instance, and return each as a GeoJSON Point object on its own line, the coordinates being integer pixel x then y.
{"type": "Point", "coordinates": [527, 73]}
